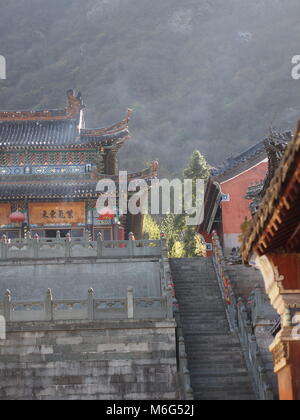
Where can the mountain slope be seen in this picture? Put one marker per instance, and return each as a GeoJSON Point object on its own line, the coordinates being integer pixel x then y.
{"type": "Point", "coordinates": [207, 74]}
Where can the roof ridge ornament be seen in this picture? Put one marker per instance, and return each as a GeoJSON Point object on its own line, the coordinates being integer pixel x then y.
{"type": "Point", "coordinates": [75, 103]}
{"type": "Point", "coordinates": [73, 110]}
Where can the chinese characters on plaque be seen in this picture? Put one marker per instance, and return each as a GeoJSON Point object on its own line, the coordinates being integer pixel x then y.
{"type": "Point", "coordinates": [60, 214]}
{"type": "Point", "coordinates": [57, 213]}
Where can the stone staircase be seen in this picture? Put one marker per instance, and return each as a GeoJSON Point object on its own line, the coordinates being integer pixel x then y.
{"type": "Point", "coordinates": [216, 362]}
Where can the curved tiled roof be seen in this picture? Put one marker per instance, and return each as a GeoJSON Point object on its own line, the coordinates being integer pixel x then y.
{"type": "Point", "coordinates": [62, 189]}
{"type": "Point", "coordinates": [37, 133]}
{"type": "Point", "coordinates": [47, 134]}
{"type": "Point", "coordinates": [274, 200]}
{"type": "Point", "coordinates": [233, 162]}
{"type": "Point", "coordinates": [256, 151]}
{"type": "Point", "coordinates": [58, 129]}
{"type": "Point", "coordinates": [51, 189]}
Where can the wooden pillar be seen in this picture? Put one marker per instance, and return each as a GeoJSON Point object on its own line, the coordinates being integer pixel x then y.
{"type": "Point", "coordinates": [112, 163]}
{"type": "Point", "coordinates": [135, 225]}
{"type": "Point", "coordinates": [281, 274]}
{"type": "Point", "coordinates": [286, 356]}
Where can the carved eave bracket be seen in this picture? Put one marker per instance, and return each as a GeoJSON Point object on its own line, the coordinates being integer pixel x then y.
{"type": "Point", "coordinates": [280, 296]}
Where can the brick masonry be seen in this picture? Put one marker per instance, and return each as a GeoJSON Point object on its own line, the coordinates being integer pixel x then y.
{"type": "Point", "coordinates": [111, 360]}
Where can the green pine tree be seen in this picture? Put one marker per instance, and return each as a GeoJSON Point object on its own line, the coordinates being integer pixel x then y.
{"type": "Point", "coordinates": [198, 167]}
{"type": "Point", "coordinates": [182, 241]}
{"type": "Point", "coordinates": [151, 229]}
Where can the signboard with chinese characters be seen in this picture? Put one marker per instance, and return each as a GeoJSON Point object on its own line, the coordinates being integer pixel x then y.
{"type": "Point", "coordinates": [54, 214]}
{"type": "Point", "coordinates": [5, 211]}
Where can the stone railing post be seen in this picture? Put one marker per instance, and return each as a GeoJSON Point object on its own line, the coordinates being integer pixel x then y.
{"type": "Point", "coordinates": [163, 244]}
{"type": "Point", "coordinates": [4, 247]}
{"type": "Point", "coordinates": [7, 305]}
{"type": "Point", "coordinates": [259, 298]}
{"type": "Point", "coordinates": [184, 371]}
{"type": "Point", "coordinates": [99, 245]}
{"type": "Point", "coordinates": [130, 303]}
{"type": "Point", "coordinates": [36, 243]}
{"type": "Point", "coordinates": [68, 245]}
{"type": "Point", "coordinates": [87, 236]}
{"type": "Point", "coordinates": [58, 234]}
{"type": "Point", "coordinates": [91, 296]}
{"type": "Point", "coordinates": [131, 244]}
{"type": "Point", "coordinates": [28, 236]}
{"type": "Point", "coordinates": [49, 306]}
{"type": "Point", "coordinates": [169, 302]}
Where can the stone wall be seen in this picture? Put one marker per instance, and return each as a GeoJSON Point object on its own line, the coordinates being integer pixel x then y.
{"type": "Point", "coordinates": [129, 360]}
{"type": "Point", "coordinates": [70, 279]}
{"type": "Point", "coordinates": [244, 279]}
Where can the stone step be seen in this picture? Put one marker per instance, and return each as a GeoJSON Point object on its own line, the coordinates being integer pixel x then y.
{"type": "Point", "coordinates": [216, 395]}
{"type": "Point", "coordinates": [215, 357]}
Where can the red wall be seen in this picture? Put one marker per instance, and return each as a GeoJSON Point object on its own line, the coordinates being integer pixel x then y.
{"type": "Point", "coordinates": [235, 211]}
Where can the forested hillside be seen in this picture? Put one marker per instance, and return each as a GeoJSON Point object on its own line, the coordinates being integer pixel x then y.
{"type": "Point", "coordinates": [200, 74]}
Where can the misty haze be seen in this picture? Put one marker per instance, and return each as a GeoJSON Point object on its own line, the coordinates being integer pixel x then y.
{"type": "Point", "coordinates": [212, 75]}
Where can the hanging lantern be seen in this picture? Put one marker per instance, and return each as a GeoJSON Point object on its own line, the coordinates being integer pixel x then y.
{"type": "Point", "coordinates": [106, 214]}
{"type": "Point", "coordinates": [17, 217]}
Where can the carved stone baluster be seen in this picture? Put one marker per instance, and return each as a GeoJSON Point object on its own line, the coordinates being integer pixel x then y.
{"type": "Point", "coordinates": [131, 244]}
{"type": "Point", "coordinates": [4, 247]}
{"type": "Point", "coordinates": [183, 360]}
{"type": "Point", "coordinates": [87, 236]}
{"type": "Point", "coordinates": [163, 244]}
{"type": "Point", "coordinates": [68, 245]}
{"type": "Point", "coordinates": [130, 303]}
{"type": "Point", "coordinates": [99, 245]}
{"type": "Point", "coordinates": [91, 296]}
{"type": "Point", "coordinates": [7, 305]}
{"type": "Point", "coordinates": [36, 243]}
{"type": "Point", "coordinates": [169, 299]}
{"type": "Point", "coordinates": [49, 306]}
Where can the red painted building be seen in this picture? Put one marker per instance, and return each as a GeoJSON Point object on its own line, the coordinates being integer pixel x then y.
{"type": "Point", "coordinates": [273, 241]}
{"type": "Point", "coordinates": [227, 201]}
{"type": "Point", "coordinates": [235, 206]}
{"type": "Point", "coordinates": [50, 164]}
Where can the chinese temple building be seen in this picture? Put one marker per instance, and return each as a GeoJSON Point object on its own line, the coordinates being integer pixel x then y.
{"type": "Point", "coordinates": [272, 242]}
{"type": "Point", "coordinates": [50, 164]}
{"type": "Point", "coordinates": [228, 199]}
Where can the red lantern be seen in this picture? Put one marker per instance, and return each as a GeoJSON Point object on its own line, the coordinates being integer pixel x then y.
{"type": "Point", "coordinates": [17, 217]}
{"type": "Point", "coordinates": [106, 214]}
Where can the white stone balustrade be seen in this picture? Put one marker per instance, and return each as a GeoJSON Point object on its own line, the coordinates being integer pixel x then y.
{"type": "Point", "coordinates": [44, 248]}
{"type": "Point", "coordinates": [90, 309]}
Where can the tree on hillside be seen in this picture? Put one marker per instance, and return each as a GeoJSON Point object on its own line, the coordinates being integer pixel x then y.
{"type": "Point", "coordinates": [198, 168]}
{"type": "Point", "coordinates": [181, 239]}
{"type": "Point", "coordinates": [151, 229]}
